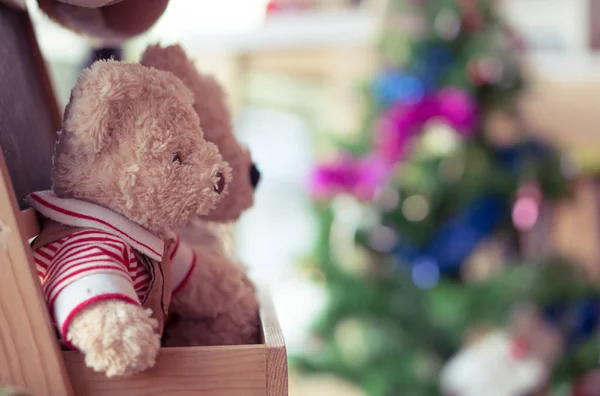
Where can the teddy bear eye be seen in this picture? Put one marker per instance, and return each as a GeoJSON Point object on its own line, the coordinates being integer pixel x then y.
{"type": "Point", "coordinates": [177, 158]}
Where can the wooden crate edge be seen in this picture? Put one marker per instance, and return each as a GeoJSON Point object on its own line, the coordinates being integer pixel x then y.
{"type": "Point", "coordinates": [231, 370]}
{"type": "Point", "coordinates": [25, 305]}
{"type": "Point", "coordinates": [276, 352]}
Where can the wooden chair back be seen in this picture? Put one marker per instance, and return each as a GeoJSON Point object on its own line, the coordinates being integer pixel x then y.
{"type": "Point", "coordinates": [29, 354]}
{"type": "Point", "coordinates": [30, 116]}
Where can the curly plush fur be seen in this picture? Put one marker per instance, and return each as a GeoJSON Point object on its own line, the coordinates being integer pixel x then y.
{"type": "Point", "coordinates": [117, 338]}
{"type": "Point", "coordinates": [131, 142]}
{"type": "Point", "coordinates": [228, 309]}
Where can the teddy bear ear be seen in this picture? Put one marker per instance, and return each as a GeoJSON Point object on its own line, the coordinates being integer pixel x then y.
{"type": "Point", "coordinates": [215, 116]}
{"type": "Point", "coordinates": [94, 106]}
{"type": "Point", "coordinates": [211, 103]}
{"type": "Point", "coordinates": [170, 58]}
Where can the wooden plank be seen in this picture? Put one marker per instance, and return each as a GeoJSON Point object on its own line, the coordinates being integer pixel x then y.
{"type": "Point", "coordinates": [199, 371]}
{"type": "Point", "coordinates": [276, 359]}
{"type": "Point", "coordinates": [29, 353]}
{"type": "Point", "coordinates": [27, 106]}
{"type": "Point", "coordinates": [28, 223]}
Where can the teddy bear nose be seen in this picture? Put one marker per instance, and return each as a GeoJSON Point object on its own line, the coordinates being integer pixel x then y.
{"type": "Point", "coordinates": [220, 185]}
{"type": "Point", "coordinates": [254, 175]}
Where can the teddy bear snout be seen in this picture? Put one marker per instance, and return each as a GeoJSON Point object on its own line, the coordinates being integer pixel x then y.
{"type": "Point", "coordinates": [220, 184]}
{"type": "Point", "coordinates": [254, 175]}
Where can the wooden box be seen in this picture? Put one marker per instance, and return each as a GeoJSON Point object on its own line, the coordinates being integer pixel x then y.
{"type": "Point", "coordinates": [29, 352]}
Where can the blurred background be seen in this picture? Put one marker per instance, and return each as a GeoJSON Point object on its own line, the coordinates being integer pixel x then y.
{"type": "Point", "coordinates": [310, 79]}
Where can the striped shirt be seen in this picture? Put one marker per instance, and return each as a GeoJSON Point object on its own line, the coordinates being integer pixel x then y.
{"type": "Point", "coordinates": [83, 253]}
{"type": "Point", "coordinates": [99, 261]}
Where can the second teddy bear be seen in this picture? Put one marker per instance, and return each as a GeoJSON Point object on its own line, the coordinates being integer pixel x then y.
{"type": "Point", "coordinates": [231, 317]}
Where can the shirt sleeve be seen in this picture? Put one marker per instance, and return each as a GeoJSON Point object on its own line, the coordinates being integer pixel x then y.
{"type": "Point", "coordinates": [89, 266]}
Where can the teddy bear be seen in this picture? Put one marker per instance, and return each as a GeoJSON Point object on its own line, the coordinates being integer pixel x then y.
{"type": "Point", "coordinates": [233, 317]}
{"type": "Point", "coordinates": [105, 21]}
{"type": "Point", "coordinates": [130, 166]}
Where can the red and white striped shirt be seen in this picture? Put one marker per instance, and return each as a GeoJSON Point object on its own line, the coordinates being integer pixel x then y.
{"type": "Point", "coordinates": [97, 262]}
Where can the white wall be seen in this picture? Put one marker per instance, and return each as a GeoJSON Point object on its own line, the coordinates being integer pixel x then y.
{"type": "Point", "coordinates": [558, 34]}
{"type": "Point", "coordinates": [561, 24]}
{"type": "Point", "coordinates": [280, 228]}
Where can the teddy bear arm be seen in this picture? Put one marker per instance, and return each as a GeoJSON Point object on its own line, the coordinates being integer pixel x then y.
{"type": "Point", "coordinates": [116, 337]}
{"type": "Point", "coordinates": [94, 303]}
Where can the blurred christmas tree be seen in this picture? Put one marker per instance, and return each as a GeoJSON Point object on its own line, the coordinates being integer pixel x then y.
{"type": "Point", "coordinates": [422, 219]}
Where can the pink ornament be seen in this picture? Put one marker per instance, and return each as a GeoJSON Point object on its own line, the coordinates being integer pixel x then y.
{"type": "Point", "coordinates": [372, 174]}
{"type": "Point", "coordinates": [398, 125]}
{"type": "Point", "coordinates": [365, 176]}
{"type": "Point", "coordinates": [525, 213]}
{"type": "Point", "coordinates": [403, 121]}
{"type": "Point", "coordinates": [390, 140]}
{"type": "Point", "coordinates": [459, 109]}
{"type": "Point", "coordinates": [526, 209]}
{"type": "Point", "coordinates": [361, 177]}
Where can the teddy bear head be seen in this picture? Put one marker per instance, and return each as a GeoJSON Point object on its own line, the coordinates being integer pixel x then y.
{"type": "Point", "coordinates": [132, 142]}
{"type": "Point", "coordinates": [215, 118]}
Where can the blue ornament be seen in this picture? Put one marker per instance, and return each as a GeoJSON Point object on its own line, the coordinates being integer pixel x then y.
{"type": "Point", "coordinates": [425, 272]}
{"type": "Point", "coordinates": [437, 60]}
{"type": "Point", "coordinates": [513, 157]}
{"type": "Point", "coordinates": [457, 238]}
{"type": "Point", "coordinates": [577, 319]}
{"type": "Point", "coordinates": [392, 87]}
{"type": "Point", "coordinates": [439, 57]}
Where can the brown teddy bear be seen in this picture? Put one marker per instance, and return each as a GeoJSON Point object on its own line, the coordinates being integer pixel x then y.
{"type": "Point", "coordinates": [232, 318]}
{"type": "Point", "coordinates": [130, 165]}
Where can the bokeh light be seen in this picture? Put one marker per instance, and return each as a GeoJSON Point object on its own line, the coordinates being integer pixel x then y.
{"type": "Point", "coordinates": [525, 213]}
{"type": "Point", "coordinates": [425, 273]}
{"type": "Point", "coordinates": [415, 208]}
{"type": "Point", "coordinates": [383, 238]}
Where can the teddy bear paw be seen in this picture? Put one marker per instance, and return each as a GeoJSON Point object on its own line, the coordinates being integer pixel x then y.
{"type": "Point", "coordinates": [116, 337]}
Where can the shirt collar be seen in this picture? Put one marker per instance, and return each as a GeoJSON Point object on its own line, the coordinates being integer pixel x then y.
{"type": "Point", "coordinates": [78, 213]}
